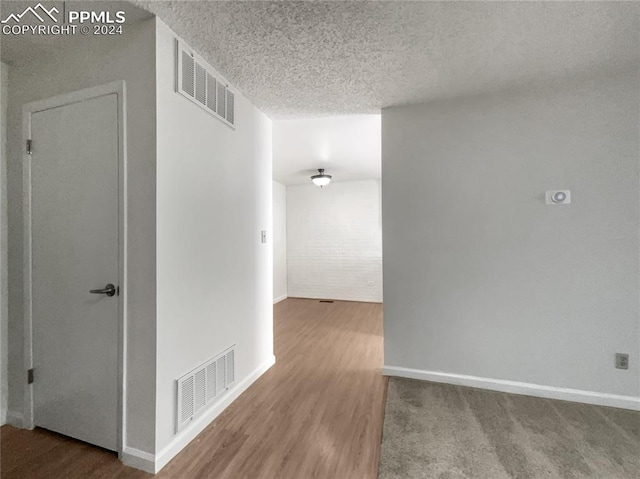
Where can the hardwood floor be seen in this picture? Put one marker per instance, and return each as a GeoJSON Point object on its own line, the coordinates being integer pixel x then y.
{"type": "Point", "coordinates": [317, 413]}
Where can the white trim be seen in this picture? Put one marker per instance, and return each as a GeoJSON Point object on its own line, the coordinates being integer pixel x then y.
{"type": "Point", "coordinates": [4, 258]}
{"type": "Point", "coordinates": [138, 459]}
{"type": "Point", "coordinates": [118, 88]}
{"type": "Point", "coordinates": [514, 387]}
{"type": "Point", "coordinates": [15, 419]}
{"type": "Point", "coordinates": [198, 425]}
{"type": "Point", "coordinates": [27, 407]}
{"type": "Point", "coordinates": [281, 298]}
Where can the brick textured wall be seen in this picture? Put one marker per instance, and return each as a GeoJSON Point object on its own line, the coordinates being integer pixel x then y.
{"type": "Point", "coordinates": [334, 241]}
{"type": "Point", "coordinates": [279, 241]}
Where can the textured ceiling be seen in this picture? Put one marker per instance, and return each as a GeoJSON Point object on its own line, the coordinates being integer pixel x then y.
{"type": "Point", "coordinates": [316, 58]}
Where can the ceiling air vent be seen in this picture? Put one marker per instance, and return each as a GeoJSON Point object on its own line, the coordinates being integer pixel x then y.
{"type": "Point", "coordinates": [201, 387]}
{"type": "Point", "coordinates": [200, 83]}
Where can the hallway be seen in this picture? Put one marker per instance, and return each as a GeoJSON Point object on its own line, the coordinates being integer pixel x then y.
{"type": "Point", "coordinates": [317, 413]}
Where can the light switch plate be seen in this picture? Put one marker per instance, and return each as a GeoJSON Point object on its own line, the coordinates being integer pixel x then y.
{"type": "Point", "coordinates": [263, 236]}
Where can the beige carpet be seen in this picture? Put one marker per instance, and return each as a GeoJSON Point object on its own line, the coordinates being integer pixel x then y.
{"type": "Point", "coordinates": [441, 431]}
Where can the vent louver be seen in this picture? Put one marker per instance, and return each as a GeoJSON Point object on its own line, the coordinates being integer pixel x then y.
{"type": "Point", "coordinates": [222, 101]}
{"type": "Point", "coordinates": [212, 381]}
{"type": "Point", "coordinates": [188, 74]}
{"type": "Point", "coordinates": [198, 82]}
{"type": "Point", "coordinates": [186, 391]}
{"type": "Point", "coordinates": [200, 394]}
{"type": "Point", "coordinates": [211, 88]}
{"type": "Point", "coordinates": [202, 386]}
{"type": "Point", "coordinates": [230, 107]}
{"type": "Point", "coordinates": [221, 373]}
{"type": "Point", "coordinates": [201, 84]}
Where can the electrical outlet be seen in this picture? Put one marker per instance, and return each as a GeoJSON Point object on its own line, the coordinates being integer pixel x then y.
{"type": "Point", "coordinates": [622, 361]}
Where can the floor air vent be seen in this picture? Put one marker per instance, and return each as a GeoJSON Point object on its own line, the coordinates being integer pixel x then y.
{"type": "Point", "coordinates": [203, 386]}
{"type": "Point", "coordinates": [200, 83]}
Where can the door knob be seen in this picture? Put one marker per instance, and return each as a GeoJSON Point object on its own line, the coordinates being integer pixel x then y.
{"type": "Point", "coordinates": [109, 290]}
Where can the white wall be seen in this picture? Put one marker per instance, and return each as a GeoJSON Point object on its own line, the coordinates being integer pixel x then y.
{"type": "Point", "coordinates": [91, 61]}
{"type": "Point", "coordinates": [334, 241]}
{"type": "Point", "coordinates": [214, 196]}
{"type": "Point", "coordinates": [481, 277]}
{"type": "Point", "coordinates": [279, 242]}
{"type": "Point", "coordinates": [4, 307]}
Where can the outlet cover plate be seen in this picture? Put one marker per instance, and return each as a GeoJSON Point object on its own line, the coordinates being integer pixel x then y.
{"type": "Point", "coordinates": [622, 361]}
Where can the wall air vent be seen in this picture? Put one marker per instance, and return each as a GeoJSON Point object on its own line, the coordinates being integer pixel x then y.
{"type": "Point", "coordinates": [230, 107]}
{"type": "Point", "coordinates": [222, 100]}
{"type": "Point", "coordinates": [201, 387]}
{"type": "Point", "coordinates": [188, 74]}
{"type": "Point", "coordinates": [212, 104]}
{"type": "Point", "coordinates": [201, 84]}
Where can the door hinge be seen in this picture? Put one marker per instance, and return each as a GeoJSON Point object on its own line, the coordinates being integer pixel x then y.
{"type": "Point", "coordinates": [30, 376]}
{"type": "Point", "coordinates": [29, 147]}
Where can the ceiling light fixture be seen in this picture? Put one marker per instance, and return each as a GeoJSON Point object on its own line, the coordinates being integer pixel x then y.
{"type": "Point", "coordinates": [321, 179]}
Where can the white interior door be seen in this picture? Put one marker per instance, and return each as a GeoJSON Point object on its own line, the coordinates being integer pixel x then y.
{"type": "Point", "coordinates": [75, 249]}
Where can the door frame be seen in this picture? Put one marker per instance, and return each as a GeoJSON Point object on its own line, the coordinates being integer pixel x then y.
{"type": "Point", "coordinates": [118, 88]}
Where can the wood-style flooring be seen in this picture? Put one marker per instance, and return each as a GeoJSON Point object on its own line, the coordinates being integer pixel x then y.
{"type": "Point", "coordinates": [317, 413]}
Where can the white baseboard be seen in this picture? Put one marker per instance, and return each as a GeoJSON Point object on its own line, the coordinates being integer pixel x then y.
{"type": "Point", "coordinates": [280, 298]}
{"type": "Point", "coordinates": [198, 425]}
{"type": "Point", "coordinates": [527, 389]}
{"type": "Point", "coordinates": [138, 459]}
{"type": "Point", "coordinates": [15, 419]}
{"type": "Point", "coordinates": [349, 300]}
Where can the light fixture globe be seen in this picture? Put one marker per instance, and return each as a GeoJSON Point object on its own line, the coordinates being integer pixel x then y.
{"type": "Point", "coordinates": [321, 179]}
